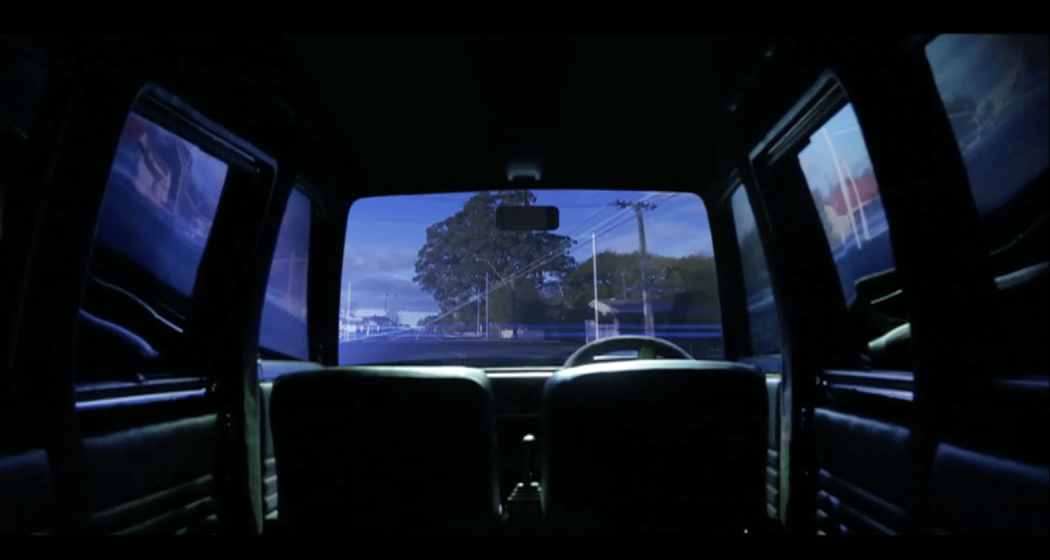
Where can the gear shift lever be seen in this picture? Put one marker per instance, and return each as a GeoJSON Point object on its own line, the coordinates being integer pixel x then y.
{"type": "Point", "coordinates": [528, 446]}
{"type": "Point", "coordinates": [524, 503]}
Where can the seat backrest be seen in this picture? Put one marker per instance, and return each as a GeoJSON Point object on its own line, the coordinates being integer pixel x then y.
{"type": "Point", "coordinates": [268, 371]}
{"type": "Point", "coordinates": [656, 445]}
{"type": "Point", "coordinates": [384, 449]}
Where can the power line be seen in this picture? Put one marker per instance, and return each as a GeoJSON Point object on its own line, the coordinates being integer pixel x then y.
{"type": "Point", "coordinates": [554, 254]}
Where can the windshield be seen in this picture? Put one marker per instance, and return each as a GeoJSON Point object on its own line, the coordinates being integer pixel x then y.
{"type": "Point", "coordinates": [428, 279]}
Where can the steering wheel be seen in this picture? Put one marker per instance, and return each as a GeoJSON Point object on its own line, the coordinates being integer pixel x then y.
{"type": "Point", "coordinates": [648, 348]}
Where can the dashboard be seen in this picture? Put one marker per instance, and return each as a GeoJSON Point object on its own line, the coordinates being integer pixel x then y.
{"type": "Point", "coordinates": [518, 392]}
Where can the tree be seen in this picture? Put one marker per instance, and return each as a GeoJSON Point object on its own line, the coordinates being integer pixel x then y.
{"type": "Point", "coordinates": [688, 283]}
{"type": "Point", "coordinates": [461, 249]}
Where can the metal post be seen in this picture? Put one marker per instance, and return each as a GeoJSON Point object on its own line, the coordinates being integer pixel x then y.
{"type": "Point", "coordinates": [594, 259]}
{"type": "Point", "coordinates": [486, 305]}
{"type": "Point", "coordinates": [842, 186]}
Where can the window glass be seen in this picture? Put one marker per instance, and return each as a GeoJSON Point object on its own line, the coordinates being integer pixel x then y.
{"type": "Point", "coordinates": [842, 182]}
{"type": "Point", "coordinates": [284, 328]}
{"type": "Point", "coordinates": [161, 198]}
{"type": "Point", "coordinates": [429, 278]}
{"type": "Point", "coordinates": [761, 307]}
{"type": "Point", "coordinates": [994, 88]}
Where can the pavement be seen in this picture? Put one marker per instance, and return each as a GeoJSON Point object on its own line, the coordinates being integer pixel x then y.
{"type": "Point", "coordinates": [416, 345]}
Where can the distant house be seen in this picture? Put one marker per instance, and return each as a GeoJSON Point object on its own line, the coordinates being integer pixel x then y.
{"type": "Point", "coordinates": [865, 205]}
{"type": "Point", "coordinates": [867, 189]}
{"type": "Point", "coordinates": [379, 320]}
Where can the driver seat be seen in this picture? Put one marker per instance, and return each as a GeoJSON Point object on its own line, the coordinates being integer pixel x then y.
{"type": "Point", "coordinates": [655, 446]}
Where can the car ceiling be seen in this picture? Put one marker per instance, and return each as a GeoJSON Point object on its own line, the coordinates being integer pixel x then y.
{"type": "Point", "coordinates": [589, 110]}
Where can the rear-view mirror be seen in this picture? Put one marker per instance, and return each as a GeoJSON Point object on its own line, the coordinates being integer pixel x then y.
{"type": "Point", "coordinates": [527, 218]}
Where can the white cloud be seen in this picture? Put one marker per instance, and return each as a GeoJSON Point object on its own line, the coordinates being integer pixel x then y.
{"type": "Point", "coordinates": [366, 260]}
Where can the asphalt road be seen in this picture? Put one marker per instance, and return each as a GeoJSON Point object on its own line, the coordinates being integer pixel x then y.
{"type": "Point", "coordinates": [412, 345]}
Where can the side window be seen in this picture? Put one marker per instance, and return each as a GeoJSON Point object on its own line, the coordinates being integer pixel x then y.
{"type": "Point", "coordinates": [160, 200]}
{"type": "Point", "coordinates": [994, 88]}
{"type": "Point", "coordinates": [842, 182]}
{"type": "Point", "coordinates": [284, 328]}
{"type": "Point", "coordinates": [995, 92]}
{"type": "Point", "coordinates": [761, 307]}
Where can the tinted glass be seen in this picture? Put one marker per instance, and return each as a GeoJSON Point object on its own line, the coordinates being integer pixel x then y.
{"type": "Point", "coordinates": [284, 327]}
{"type": "Point", "coordinates": [430, 278]}
{"type": "Point", "coordinates": [994, 88]}
{"type": "Point", "coordinates": [842, 182]}
{"type": "Point", "coordinates": [761, 307]}
{"type": "Point", "coordinates": [161, 198]}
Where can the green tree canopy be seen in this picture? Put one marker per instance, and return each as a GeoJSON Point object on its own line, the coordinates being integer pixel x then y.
{"type": "Point", "coordinates": [461, 249]}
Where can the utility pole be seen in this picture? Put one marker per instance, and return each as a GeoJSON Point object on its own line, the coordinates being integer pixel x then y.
{"type": "Point", "coordinates": [594, 260]}
{"type": "Point", "coordinates": [647, 309]}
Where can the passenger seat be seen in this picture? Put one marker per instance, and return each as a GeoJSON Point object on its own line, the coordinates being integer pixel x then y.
{"type": "Point", "coordinates": [385, 450]}
{"type": "Point", "coordinates": [656, 446]}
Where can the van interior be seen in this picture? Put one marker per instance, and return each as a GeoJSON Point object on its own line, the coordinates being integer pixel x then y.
{"type": "Point", "coordinates": [524, 285]}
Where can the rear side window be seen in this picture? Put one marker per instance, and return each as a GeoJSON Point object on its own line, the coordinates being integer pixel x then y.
{"type": "Point", "coordinates": [761, 307]}
{"type": "Point", "coordinates": [161, 197]}
{"type": "Point", "coordinates": [284, 327]}
{"type": "Point", "coordinates": [994, 88]}
{"type": "Point", "coordinates": [160, 202]}
{"type": "Point", "coordinates": [842, 183]}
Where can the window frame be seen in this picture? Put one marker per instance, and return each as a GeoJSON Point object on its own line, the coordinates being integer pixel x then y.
{"type": "Point", "coordinates": [154, 106]}
{"type": "Point", "coordinates": [780, 183]}
{"type": "Point", "coordinates": [245, 164]}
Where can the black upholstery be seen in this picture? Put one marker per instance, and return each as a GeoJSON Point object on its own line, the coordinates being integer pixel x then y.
{"type": "Point", "coordinates": [976, 493]}
{"type": "Point", "coordinates": [25, 488]}
{"type": "Point", "coordinates": [154, 479]}
{"type": "Point", "coordinates": [656, 445]}
{"type": "Point", "coordinates": [864, 484]}
{"type": "Point", "coordinates": [384, 449]}
{"type": "Point", "coordinates": [1022, 321]}
{"type": "Point", "coordinates": [268, 371]}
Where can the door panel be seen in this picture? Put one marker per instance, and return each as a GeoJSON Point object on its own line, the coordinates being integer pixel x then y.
{"type": "Point", "coordinates": [862, 481]}
{"type": "Point", "coordinates": [149, 466]}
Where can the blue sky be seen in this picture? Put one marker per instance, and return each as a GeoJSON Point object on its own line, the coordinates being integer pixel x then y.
{"type": "Point", "coordinates": [384, 235]}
